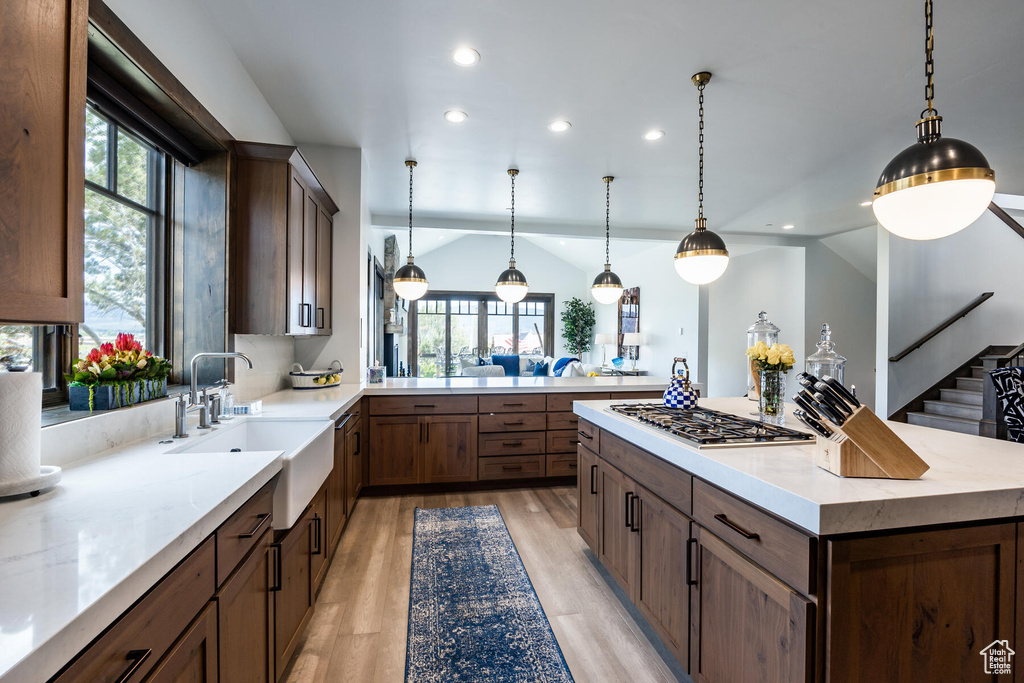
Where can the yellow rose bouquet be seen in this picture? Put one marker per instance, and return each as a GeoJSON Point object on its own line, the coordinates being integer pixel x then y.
{"type": "Point", "coordinates": [778, 357]}
{"type": "Point", "coordinates": [769, 365]}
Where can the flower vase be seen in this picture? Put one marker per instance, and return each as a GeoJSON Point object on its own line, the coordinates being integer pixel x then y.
{"type": "Point", "coordinates": [772, 399]}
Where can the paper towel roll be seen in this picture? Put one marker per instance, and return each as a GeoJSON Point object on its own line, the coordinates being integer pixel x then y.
{"type": "Point", "coordinates": [21, 400]}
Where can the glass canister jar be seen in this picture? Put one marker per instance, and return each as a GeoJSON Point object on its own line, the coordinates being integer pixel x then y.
{"type": "Point", "coordinates": [763, 330]}
{"type": "Point", "coordinates": [825, 361]}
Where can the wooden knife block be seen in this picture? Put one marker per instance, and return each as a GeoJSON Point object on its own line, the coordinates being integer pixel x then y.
{"type": "Point", "coordinates": [869, 449]}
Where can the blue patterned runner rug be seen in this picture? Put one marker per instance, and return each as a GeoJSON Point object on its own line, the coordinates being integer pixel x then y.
{"type": "Point", "coordinates": [473, 613]}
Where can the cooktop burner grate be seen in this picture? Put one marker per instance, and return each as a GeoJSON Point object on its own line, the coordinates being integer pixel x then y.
{"type": "Point", "coordinates": [708, 428]}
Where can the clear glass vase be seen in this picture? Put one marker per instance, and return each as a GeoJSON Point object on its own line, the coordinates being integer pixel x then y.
{"type": "Point", "coordinates": [771, 403]}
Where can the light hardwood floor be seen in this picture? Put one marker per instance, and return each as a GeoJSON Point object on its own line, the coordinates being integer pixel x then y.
{"type": "Point", "coordinates": [358, 630]}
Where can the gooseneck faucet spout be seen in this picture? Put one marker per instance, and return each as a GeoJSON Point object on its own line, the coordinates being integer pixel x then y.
{"type": "Point", "coordinates": [193, 393]}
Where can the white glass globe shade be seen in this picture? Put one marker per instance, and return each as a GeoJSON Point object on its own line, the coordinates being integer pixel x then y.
{"type": "Point", "coordinates": [410, 290]}
{"type": "Point", "coordinates": [928, 212]}
{"type": "Point", "coordinates": [606, 295]}
{"type": "Point", "coordinates": [701, 270]}
{"type": "Point", "coordinates": [512, 294]}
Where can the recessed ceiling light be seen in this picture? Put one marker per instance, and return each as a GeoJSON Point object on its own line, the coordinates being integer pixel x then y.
{"type": "Point", "coordinates": [652, 135]}
{"type": "Point", "coordinates": [866, 203]}
{"type": "Point", "coordinates": [455, 116]}
{"type": "Point", "coordinates": [465, 56]}
{"type": "Point", "coordinates": [788, 226]}
{"type": "Point", "coordinates": [559, 126]}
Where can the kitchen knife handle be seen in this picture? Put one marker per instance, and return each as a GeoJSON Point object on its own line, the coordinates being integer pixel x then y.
{"type": "Point", "coordinates": [841, 390]}
{"type": "Point", "coordinates": [834, 415]}
{"type": "Point", "coordinates": [834, 399]}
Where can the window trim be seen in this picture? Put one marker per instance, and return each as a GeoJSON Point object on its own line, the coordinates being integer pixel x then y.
{"type": "Point", "coordinates": [482, 298]}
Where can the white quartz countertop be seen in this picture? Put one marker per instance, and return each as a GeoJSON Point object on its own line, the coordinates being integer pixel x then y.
{"type": "Point", "coordinates": [331, 403]}
{"type": "Point", "coordinates": [74, 558]}
{"type": "Point", "coordinates": [970, 477]}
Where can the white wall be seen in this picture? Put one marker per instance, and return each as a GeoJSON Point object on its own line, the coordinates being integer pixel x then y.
{"type": "Point", "coordinates": [473, 263]}
{"type": "Point", "coordinates": [667, 303]}
{"type": "Point", "coordinates": [841, 295]}
{"type": "Point", "coordinates": [929, 281]}
{"type": "Point", "coordinates": [770, 279]}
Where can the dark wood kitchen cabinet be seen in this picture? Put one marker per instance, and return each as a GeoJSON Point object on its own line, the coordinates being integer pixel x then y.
{"type": "Point", "coordinates": [425, 449]}
{"type": "Point", "coordinates": [281, 244]}
{"type": "Point", "coordinates": [246, 617]}
{"type": "Point", "coordinates": [337, 507]}
{"type": "Point", "coordinates": [194, 658]}
{"type": "Point", "coordinates": [588, 502]}
{"type": "Point", "coordinates": [745, 625]}
{"type": "Point", "coordinates": [354, 457]}
{"type": "Point", "coordinates": [293, 593]}
{"type": "Point", "coordinates": [42, 183]}
{"type": "Point", "coordinates": [319, 540]}
{"type": "Point", "coordinates": [618, 542]}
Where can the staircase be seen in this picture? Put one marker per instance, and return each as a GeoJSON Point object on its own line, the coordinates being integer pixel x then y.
{"type": "Point", "coordinates": [957, 409]}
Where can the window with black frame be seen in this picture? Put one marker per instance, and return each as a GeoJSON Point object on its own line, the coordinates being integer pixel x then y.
{"type": "Point", "coordinates": [125, 248]}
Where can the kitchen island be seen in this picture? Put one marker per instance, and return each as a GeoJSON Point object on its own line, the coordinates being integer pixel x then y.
{"type": "Point", "coordinates": [753, 564]}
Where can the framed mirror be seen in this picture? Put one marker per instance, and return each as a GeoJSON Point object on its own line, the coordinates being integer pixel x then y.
{"type": "Point", "coordinates": [629, 316]}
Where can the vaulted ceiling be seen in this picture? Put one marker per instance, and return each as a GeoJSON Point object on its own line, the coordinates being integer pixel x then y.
{"type": "Point", "coordinates": [808, 102]}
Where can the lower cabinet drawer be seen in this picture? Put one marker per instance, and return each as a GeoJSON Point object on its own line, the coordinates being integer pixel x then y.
{"type": "Point", "coordinates": [563, 421]}
{"type": "Point", "coordinates": [519, 443]}
{"type": "Point", "coordinates": [563, 441]}
{"type": "Point", "coordinates": [561, 465]}
{"type": "Point", "coordinates": [238, 535]}
{"type": "Point", "coordinates": [512, 422]}
{"type": "Point", "coordinates": [145, 633]}
{"type": "Point", "coordinates": [512, 467]}
{"type": "Point", "coordinates": [783, 550]}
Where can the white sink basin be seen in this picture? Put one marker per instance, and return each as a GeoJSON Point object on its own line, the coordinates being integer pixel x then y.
{"type": "Point", "coordinates": [308, 447]}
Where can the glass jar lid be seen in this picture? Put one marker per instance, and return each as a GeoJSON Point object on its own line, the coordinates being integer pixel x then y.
{"type": "Point", "coordinates": [826, 349]}
{"type": "Point", "coordinates": [763, 325]}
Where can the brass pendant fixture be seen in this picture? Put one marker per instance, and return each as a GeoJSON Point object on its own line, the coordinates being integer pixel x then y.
{"type": "Point", "coordinates": [511, 286]}
{"type": "Point", "coordinates": [701, 257]}
{"type": "Point", "coordinates": [410, 280]}
{"type": "Point", "coordinates": [937, 186]}
{"type": "Point", "coordinates": [607, 287]}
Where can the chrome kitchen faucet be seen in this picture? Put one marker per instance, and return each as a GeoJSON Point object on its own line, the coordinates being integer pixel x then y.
{"type": "Point", "coordinates": [189, 402]}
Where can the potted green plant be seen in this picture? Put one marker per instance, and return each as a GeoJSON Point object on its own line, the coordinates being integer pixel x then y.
{"type": "Point", "coordinates": [578, 320]}
{"type": "Point", "coordinates": [113, 375]}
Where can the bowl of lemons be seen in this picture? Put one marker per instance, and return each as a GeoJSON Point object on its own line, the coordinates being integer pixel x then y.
{"type": "Point", "coordinates": [316, 379]}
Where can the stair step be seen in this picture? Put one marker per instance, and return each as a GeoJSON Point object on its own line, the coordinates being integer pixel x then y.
{"type": "Point", "coordinates": [968, 411]}
{"type": "Point", "coordinates": [961, 396]}
{"type": "Point", "coordinates": [969, 383]}
{"type": "Point", "coordinates": [946, 422]}
{"type": "Point", "coordinates": [978, 371]}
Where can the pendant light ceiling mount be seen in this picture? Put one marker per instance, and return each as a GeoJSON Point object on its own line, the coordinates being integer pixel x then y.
{"type": "Point", "coordinates": [701, 256]}
{"type": "Point", "coordinates": [937, 186]}
{"type": "Point", "coordinates": [410, 281]}
{"type": "Point", "coordinates": [511, 286]}
{"type": "Point", "coordinates": [607, 287]}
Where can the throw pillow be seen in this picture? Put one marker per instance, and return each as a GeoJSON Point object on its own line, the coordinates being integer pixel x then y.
{"type": "Point", "coordinates": [560, 365]}
{"type": "Point", "coordinates": [509, 363]}
{"type": "Point", "coordinates": [540, 370]}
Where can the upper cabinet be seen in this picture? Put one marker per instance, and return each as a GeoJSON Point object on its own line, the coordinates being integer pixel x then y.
{"type": "Point", "coordinates": [42, 160]}
{"type": "Point", "coordinates": [281, 241]}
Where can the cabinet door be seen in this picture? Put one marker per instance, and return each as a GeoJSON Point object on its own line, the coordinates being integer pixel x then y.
{"type": "Point", "coordinates": [193, 658]}
{"type": "Point", "coordinates": [246, 618]}
{"type": "Point", "coordinates": [587, 497]}
{"type": "Point", "coordinates": [324, 260]}
{"type": "Point", "coordinates": [618, 542]}
{"type": "Point", "coordinates": [353, 465]}
{"type": "Point", "coordinates": [309, 239]}
{"type": "Point", "coordinates": [293, 599]}
{"type": "Point", "coordinates": [921, 605]}
{"type": "Point", "coordinates": [395, 445]}
{"type": "Point", "coordinates": [337, 507]}
{"type": "Point", "coordinates": [449, 448]}
{"type": "Point", "coordinates": [42, 131]}
{"type": "Point", "coordinates": [744, 624]}
{"type": "Point", "coordinates": [662, 595]}
{"type": "Point", "coordinates": [297, 310]}
{"type": "Point", "coordinates": [318, 542]}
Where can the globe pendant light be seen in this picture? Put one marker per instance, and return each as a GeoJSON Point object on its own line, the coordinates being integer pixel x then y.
{"type": "Point", "coordinates": [607, 287]}
{"type": "Point", "coordinates": [701, 257]}
{"type": "Point", "coordinates": [937, 186]}
{"type": "Point", "coordinates": [410, 280]}
{"type": "Point", "coordinates": [511, 286]}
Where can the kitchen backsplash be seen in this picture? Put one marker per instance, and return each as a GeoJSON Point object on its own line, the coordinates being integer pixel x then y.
{"type": "Point", "coordinates": [272, 358]}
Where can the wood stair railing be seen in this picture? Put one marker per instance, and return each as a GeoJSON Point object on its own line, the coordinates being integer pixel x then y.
{"type": "Point", "coordinates": [985, 296]}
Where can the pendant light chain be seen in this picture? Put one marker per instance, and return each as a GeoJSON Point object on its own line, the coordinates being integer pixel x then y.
{"type": "Point", "coordinates": [411, 166]}
{"type": "Point", "coordinates": [607, 219]}
{"type": "Point", "coordinates": [929, 63]}
{"type": "Point", "coordinates": [700, 141]}
{"type": "Point", "coordinates": [513, 256]}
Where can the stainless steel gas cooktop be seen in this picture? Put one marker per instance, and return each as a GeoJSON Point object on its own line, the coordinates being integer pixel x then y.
{"type": "Point", "coordinates": [707, 428]}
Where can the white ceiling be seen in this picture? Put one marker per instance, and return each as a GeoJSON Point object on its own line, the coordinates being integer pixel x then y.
{"type": "Point", "coordinates": [808, 102]}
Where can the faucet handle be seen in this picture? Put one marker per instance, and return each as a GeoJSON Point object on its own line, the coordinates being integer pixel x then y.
{"type": "Point", "coordinates": [222, 383]}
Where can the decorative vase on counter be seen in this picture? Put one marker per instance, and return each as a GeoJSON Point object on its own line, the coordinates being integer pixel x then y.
{"type": "Point", "coordinates": [771, 403]}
